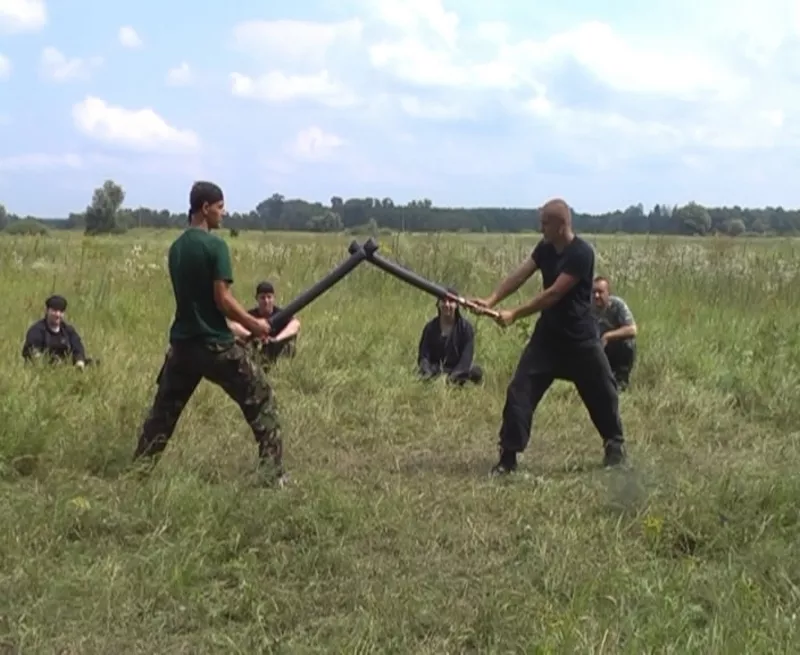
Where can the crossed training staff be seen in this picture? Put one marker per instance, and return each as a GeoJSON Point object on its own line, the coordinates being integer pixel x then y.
{"type": "Point", "coordinates": [369, 251]}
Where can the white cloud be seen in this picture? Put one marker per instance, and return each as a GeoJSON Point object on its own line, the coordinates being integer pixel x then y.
{"type": "Point", "coordinates": [59, 68]}
{"type": "Point", "coordinates": [314, 144]}
{"type": "Point", "coordinates": [675, 70]}
{"type": "Point", "coordinates": [421, 18]}
{"type": "Point", "coordinates": [676, 90]}
{"type": "Point", "coordinates": [22, 15]}
{"type": "Point", "coordinates": [294, 41]}
{"type": "Point", "coordinates": [5, 67]}
{"type": "Point", "coordinates": [459, 92]}
{"type": "Point", "coordinates": [181, 75]}
{"type": "Point", "coordinates": [295, 59]}
{"type": "Point", "coordinates": [136, 129]}
{"type": "Point", "coordinates": [128, 37]}
{"type": "Point", "coordinates": [278, 87]}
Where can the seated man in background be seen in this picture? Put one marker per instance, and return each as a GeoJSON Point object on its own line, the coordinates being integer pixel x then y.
{"type": "Point", "coordinates": [53, 337]}
{"type": "Point", "coordinates": [617, 330]}
{"type": "Point", "coordinates": [282, 341]}
{"type": "Point", "coordinates": [447, 346]}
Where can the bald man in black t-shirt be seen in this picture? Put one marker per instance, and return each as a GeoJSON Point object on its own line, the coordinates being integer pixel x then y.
{"type": "Point", "coordinates": [564, 344]}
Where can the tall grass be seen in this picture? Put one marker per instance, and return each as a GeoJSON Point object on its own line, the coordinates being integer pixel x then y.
{"type": "Point", "coordinates": [393, 540]}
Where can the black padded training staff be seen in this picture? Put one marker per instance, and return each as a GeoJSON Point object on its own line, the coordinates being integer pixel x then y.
{"type": "Point", "coordinates": [416, 280]}
{"type": "Point", "coordinates": [357, 255]}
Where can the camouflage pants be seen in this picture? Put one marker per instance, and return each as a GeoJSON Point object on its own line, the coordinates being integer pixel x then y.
{"type": "Point", "coordinates": [228, 366]}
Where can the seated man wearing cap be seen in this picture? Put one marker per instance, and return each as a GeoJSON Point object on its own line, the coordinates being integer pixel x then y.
{"type": "Point", "coordinates": [284, 341]}
{"type": "Point", "coordinates": [447, 346]}
{"type": "Point", "coordinates": [53, 337]}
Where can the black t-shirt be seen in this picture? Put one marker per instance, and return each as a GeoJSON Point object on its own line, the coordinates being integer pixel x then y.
{"type": "Point", "coordinates": [570, 319]}
{"type": "Point", "coordinates": [275, 328]}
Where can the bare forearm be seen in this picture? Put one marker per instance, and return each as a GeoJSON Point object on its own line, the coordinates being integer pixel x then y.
{"type": "Point", "coordinates": [624, 332]}
{"type": "Point", "coordinates": [289, 331]}
{"type": "Point", "coordinates": [234, 312]}
{"type": "Point", "coordinates": [507, 287]}
{"type": "Point", "coordinates": [543, 300]}
{"type": "Point", "coordinates": [238, 330]}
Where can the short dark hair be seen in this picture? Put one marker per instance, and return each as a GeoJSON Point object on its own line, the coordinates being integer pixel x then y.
{"type": "Point", "coordinates": [264, 287]}
{"type": "Point", "coordinates": [202, 193]}
{"type": "Point", "coordinates": [59, 303]}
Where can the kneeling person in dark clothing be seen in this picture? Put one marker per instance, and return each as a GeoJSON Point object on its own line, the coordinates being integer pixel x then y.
{"type": "Point", "coordinates": [447, 346]}
{"type": "Point", "coordinates": [52, 337]}
{"type": "Point", "coordinates": [564, 344]}
{"type": "Point", "coordinates": [284, 343]}
{"type": "Point", "coordinates": [617, 330]}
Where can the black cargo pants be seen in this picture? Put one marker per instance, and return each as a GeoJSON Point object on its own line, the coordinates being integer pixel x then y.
{"type": "Point", "coordinates": [544, 360]}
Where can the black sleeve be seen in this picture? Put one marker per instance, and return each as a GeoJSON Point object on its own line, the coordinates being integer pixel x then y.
{"type": "Point", "coordinates": [580, 262]}
{"type": "Point", "coordinates": [253, 312]}
{"type": "Point", "coordinates": [467, 347]}
{"type": "Point", "coordinates": [76, 345]}
{"type": "Point", "coordinates": [424, 352]}
{"type": "Point", "coordinates": [278, 327]}
{"type": "Point", "coordinates": [34, 341]}
{"type": "Point", "coordinates": [536, 253]}
{"type": "Point", "coordinates": [278, 308]}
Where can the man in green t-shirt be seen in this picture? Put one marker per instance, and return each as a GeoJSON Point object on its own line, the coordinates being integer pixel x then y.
{"type": "Point", "coordinates": [202, 344]}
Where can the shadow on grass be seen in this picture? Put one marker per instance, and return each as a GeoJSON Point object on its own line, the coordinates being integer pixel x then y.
{"type": "Point", "coordinates": [479, 467]}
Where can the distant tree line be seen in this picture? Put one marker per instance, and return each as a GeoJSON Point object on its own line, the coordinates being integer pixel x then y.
{"type": "Point", "coordinates": [105, 214]}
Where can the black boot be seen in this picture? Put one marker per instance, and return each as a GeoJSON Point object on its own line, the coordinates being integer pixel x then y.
{"type": "Point", "coordinates": [614, 453]}
{"type": "Point", "coordinates": [506, 465]}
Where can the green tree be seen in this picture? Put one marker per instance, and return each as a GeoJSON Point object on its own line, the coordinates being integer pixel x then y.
{"type": "Point", "coordinates": [102, 215]}
{"type": "Point", "coordinates": [694, 218]}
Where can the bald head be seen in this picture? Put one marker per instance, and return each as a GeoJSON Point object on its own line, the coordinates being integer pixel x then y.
{"type": "Point", "coordinates": [555, 219]}
{"type": "Point", "coordinates": [558, 211]}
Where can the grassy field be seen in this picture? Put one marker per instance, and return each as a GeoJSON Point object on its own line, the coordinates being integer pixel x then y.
{"type": "Point", "coordinates": [393, 539]}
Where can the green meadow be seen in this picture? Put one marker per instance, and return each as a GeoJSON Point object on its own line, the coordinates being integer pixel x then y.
{"type": "Point", "coordinates": [392, 538]}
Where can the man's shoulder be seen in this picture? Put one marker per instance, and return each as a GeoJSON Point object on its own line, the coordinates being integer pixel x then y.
{"type": "Point", "coordinates": [619, 305]}
{"type": "Point", "coordinates": [617, 301]}
{"type": "Point", "coordinates": [216, 239]}
{"type": "Point", "coordinates": [581, 258]}
{"type": "Point", "coordinates": [431, 324]}
{"type": "Point", "coordinates": [253, 311]}
{"type": "Point", "coordinates": [185, 240]}
{"type": "Point", "coordinates": [542, 247]}
{"type": "Point", "coordinates": [466, 324]}
{"type": "Point", "coordinates": [37, 325]}
{"type": "Point", "coordinates": [197, 236]}
{"type": "Point", "coordinates": [582, 246]}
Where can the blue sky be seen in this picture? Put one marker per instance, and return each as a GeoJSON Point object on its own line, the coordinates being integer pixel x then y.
{"type": "Point", "coordinates": [466, 103]}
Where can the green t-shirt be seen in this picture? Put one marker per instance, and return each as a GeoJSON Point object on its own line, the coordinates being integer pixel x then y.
{"type": "Point", "coordinates": [196, 259]}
